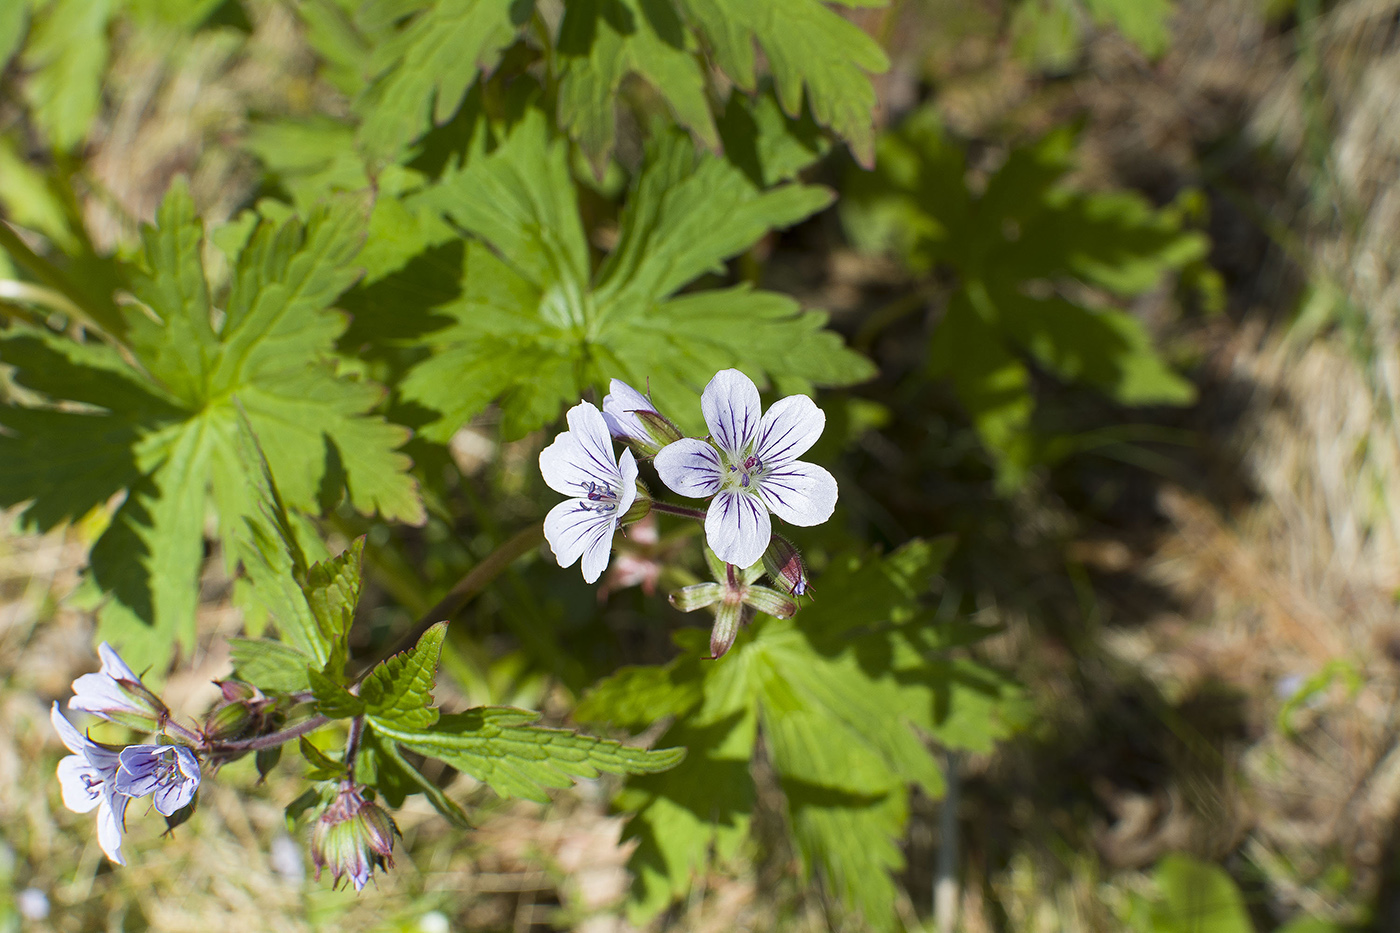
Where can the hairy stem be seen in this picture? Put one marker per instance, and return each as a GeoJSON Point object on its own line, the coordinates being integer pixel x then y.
{"type": "Point", "coordinates": [352, 746]}
{"type": "Point", "coordinates": [273, 738]}
{"type": "Point", "coordinates": [681, 510]}
{"type": "Point", "coordinates": [466, 589]}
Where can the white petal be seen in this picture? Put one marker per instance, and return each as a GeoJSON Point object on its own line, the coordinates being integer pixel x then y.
{"type": "Point", "coordinates": [572, 526]}
{"type": "Point", "coordinates": [732, 410]}
{"type": "Point", "coordinates": [80, 782]}
{"type": "Point", "coordinates": [171, 797]}
{"type": "Point", "coordinates": [799, 493]}
{"type": "Point", "coordinates": [581, 455]}
{"type": "Point", "coordinates": [737, 528]}
{"type": "Point", "coordinates": [112, 664]}
{"type": "Point", "coordinates": [627, 467]}
{"type": "Point", "coordinates": [98, 693]}
{"type": "Point", "coordinates": [690, 467]}
{"type": "Point", "coordinates": [111, 817]}
{"type": "Point", "coordinates": [139, 771]}
{"type": "Point", "coordinates": [788, 430]}
{"type": "Point", "coordinates": [618, 407]}
{"type": "Point", "coordinates": [595, 558]}
{"type": "Point", "coordinates": [188, 763]}
{"type": "Point", "coordinates": [75, 740]}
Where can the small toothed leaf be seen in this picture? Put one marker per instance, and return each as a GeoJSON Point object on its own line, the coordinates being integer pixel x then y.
{"type": "Point", "coordinates": [500, 747]}
{"type": "Point", "coordinates": [398, 694]}
{"type": "Point", "coordinates": [332, 700]}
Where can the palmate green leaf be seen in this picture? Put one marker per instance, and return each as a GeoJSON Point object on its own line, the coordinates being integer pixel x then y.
{"type": "Point", "coordinates": [699, 810]}
{"type": "Point", "coordinates": [271, 666]}
{"type": "Point", "coordinates": [174, 423]}
{"type": "Point", "coordinates": [846, 694]}
{"type": "Point", "coordinates": [601, 42]}
{"type": "Point", "coordinates": [853, 837]}
{"type": "Point", "coordinates": [398, 693]}
{"type": "Point", "coordinates": [66, 53]}
{"type": "Point", "coordinates": [636, 697]}
{"type": "Point", "coordinates": [807, 46]}
{"type": "Point", "coordinates": [1017, 250]}
{"type": "Point", "coordinates": [410, 64]}
{"type": "Point", "coordinates": [270, 551]}
{"type": "Point", "coordinates": [500, 747]}
{"type": "Point", "coordinates": [421, 73]}
{"type": "Point", "coordinates": [535, 324]}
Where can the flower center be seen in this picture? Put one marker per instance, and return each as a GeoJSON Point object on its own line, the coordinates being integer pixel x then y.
{"type": "Point", "coordinates": [744, 473]}
{"type": "Point", "coordinates": [167, 768]}
{"type": "Point", "coordinates": [600, 496]}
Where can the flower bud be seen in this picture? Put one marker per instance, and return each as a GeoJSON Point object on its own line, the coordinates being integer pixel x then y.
{"type": "Point", "coordinates": [236, 691]}
{"type": "Point", "coordinates": [632, 419]}
{"type": "Point", "coordinates": [352, 837]}
{"type": "Point", "coordinates": [783, 563]}
{"type": "Point", "coordinates": [641, 506]}
{"type": "Point", "coordinates": [115, 693]}
{"type": "Point", "coordinates": [228, 722]}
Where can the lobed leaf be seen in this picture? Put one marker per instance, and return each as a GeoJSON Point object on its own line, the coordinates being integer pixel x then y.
{"type": "Point", "coordinates": [169, 424]}
{"type": "Point", "coordinates": [808, 46]}
{"type": "Point", "coordinates": [534, 326]}
{"type": "Point", "coordinates": [1017, 250]}
{"type": "Point", "coordinates": [271, 666]}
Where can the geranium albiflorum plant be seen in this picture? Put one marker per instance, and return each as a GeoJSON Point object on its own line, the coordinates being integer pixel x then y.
{"type": "Point", "coordinates": [747, 467]}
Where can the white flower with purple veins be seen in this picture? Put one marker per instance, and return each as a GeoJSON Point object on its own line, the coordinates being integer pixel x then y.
{"type": "Point", "coordinates": [88, 779]}
{"type": "Point", "coordinates": [581, 463]}
{"type": "Point", "coordinates": [168, 772]}
{"type": "Point", "coordinates": [116, 693]}
{"type": "Point", "coordinates": [750, 467]}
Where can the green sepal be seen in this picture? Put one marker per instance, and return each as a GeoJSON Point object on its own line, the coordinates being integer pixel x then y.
{"type": "Point", "coordinates": [322, 767]}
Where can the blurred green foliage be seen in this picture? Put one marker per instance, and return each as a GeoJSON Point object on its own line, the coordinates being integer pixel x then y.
{"type": "Point", "coordinates": [1034, 264]}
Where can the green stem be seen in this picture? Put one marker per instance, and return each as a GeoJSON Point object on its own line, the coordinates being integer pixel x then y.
{"type": "Point", "coordinates": [273, 738]}
{"type": "Point", "coordinates": [681, 510]}
{"type": "Point", "coordinates": [466, 589]}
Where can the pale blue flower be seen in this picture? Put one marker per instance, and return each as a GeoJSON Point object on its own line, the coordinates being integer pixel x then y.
{"type": "Point", "coordinates": [170, 773]}
{"type": "Point", "coordinates": [88, 780]}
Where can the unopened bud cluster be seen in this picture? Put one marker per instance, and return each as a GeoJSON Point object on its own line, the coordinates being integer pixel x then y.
{"type": "Point", "coordinates": [352, 837]}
